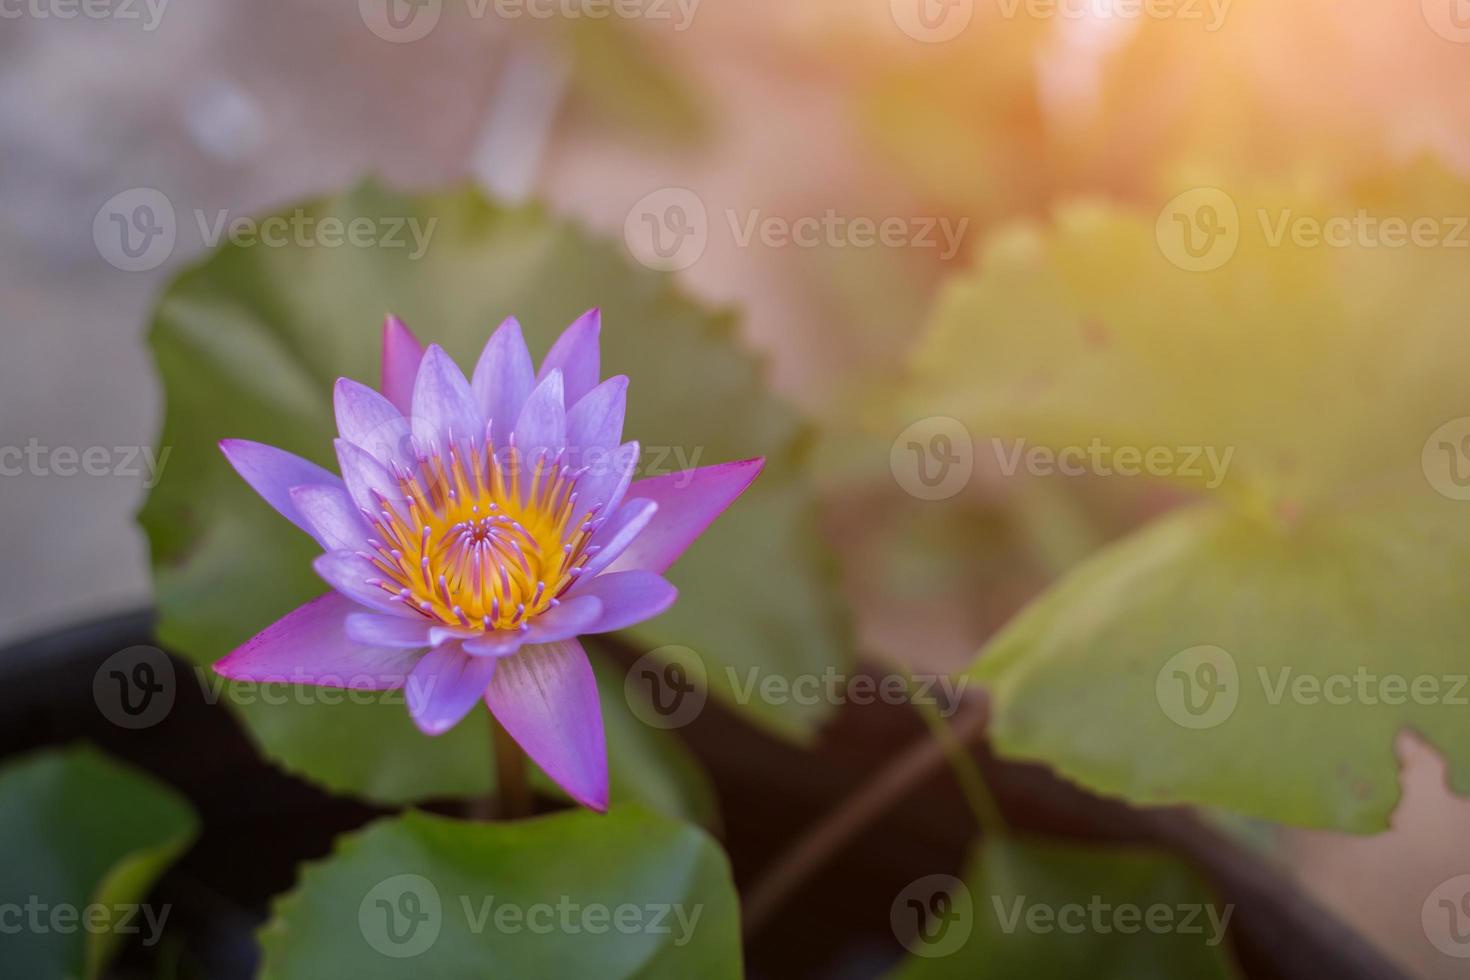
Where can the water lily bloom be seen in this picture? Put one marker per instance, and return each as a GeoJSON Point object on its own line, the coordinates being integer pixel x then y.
{"type": "Point", "coordinates": [478, 528]}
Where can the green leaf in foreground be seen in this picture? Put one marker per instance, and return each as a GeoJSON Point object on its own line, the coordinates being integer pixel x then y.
{"type": "Point", "coordinates": [1261, 650]}
{"type": "Point", "coordinates": [1030, 909]}
{"type": "Point", "coordinates": [1213, 659]}
{"type": "Point", "coordinates": [80, 836]}
{"type": "Point", "coordinates": [249, 344]}
{"type": "Point", "coordinates": [576, 894]}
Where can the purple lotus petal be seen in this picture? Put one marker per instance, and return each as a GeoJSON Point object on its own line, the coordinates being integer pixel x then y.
{"type": "Point", "coordinates": [621, 530]}
{"type": "Point", "coordinates": [332, 516]}
{"type": "Point", "coordinates": [371, 422]}
{"type": "Point", "coordinates": [497, 643]}
{"type": "Point", "coordinates": [688, 502]}
{"type": "Point", "coordinates": [576, 355]}
{"type": "Point", "coordinates": [444, 686]}
{"type": "Point", "coordinates": [596, 421]}
{"type": "Point", "coordinates": [402, 353]}
{"type": "Point", "coordinates": [503, 378]}
{"type": "Point", "coordinates": [311, 646]}
{"type": "Point", "coordinates": [355, 577]}
{"type": "Point", "coordinates": [628, 598]}
{"type": "Point", "coordinates": [542, 426]}
{"type": "Point", "coordinates": [273, 472]}
{"type": "Point", "coordinates": [388, 631]}
{"type": "Point", "coordinates": [451, 634]}
{"type": "Point", "coordinates": [444, 410]}
{"type": "Point", "coordinates": [367, 479]}
{"type": "Point", "coordinates": [546, 698]}
{"type": "Point", "coordinates": [575, 615]}
{"type": "Point", "coordinates": [607, 478]}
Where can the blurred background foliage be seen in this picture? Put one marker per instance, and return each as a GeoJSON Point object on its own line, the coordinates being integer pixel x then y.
{"type": "Point", "coordinates": [1060, 141]}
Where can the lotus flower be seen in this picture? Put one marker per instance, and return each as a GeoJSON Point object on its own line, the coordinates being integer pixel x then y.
{"type": "Point", "coordinates": [478, 528]}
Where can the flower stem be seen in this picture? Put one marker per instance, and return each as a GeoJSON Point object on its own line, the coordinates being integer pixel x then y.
{"type": "Point", "coordinates": [977, 793]}
{"type": "Point", "coordinates": [831, 833]}
{"type": "Point", "coordinates": [513, 792]}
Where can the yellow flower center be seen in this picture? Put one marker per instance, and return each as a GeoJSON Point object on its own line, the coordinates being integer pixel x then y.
{"type": "Point", "coordinates": [477, 544]}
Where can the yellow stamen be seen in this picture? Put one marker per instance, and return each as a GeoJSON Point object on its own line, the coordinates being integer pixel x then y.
{"type": "Point", "coordinates": [475, 543]}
